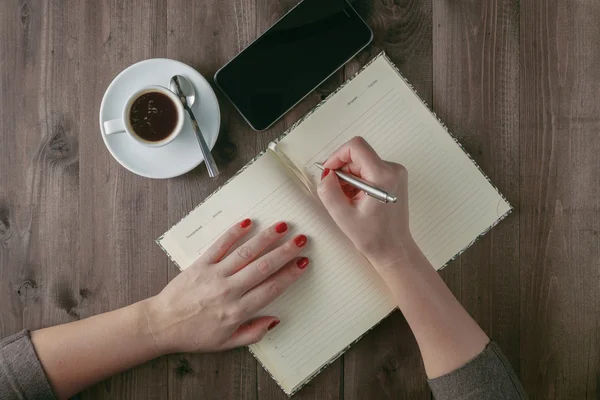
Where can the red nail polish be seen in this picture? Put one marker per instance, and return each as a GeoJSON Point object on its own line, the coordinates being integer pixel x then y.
{"type": "Point", "coordinates": [302, 262]}
{"type": "Point", "coordinates": [246, 223]}
{"type": "Point", "coordinates": [326, 172]}
{"type": "Point", "coordinates": [300, 240]}
{"type": "Point", "coordinates": [273, 324]}
{"type": "Point", "coordinates": [281, 227]}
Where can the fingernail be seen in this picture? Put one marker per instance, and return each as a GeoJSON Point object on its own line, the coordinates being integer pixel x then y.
{"type": "Point", "coordinates": [302, 262]}
{"type": "Point", "coordinates": [273, 324]}
{"type": "Point", "coordinates": [300, 240]}
{"type": "Point", "coordinates": [246, 223]}
{"type": "Point", "coordinates": [281, 227]}
{"type": "Point", "coordinates": [326, 172]}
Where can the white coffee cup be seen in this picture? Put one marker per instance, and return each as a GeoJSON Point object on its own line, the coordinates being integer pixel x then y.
{"type": "Point", "coordinates": [123, 124]}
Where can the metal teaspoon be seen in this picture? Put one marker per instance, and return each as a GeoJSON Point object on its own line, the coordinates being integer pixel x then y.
{"type": "Point", "coordinates": [186, 93]}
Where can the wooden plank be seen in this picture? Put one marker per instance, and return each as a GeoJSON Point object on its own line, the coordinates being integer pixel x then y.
{"type": "Point", "coordinates": [32, 168]}
{"type": "Point", "coordinates": [386, 363]}
{"type": "Point", "coordinates": [121, 213]}
{"type": "Point", "coordinates": [476, 93]}
{"type": "Point", "coordinates": [204, 35]}
{"type": "Point", "coordinates": [560, 213]}
{"type": "Point", "coordinates": [14, 36]}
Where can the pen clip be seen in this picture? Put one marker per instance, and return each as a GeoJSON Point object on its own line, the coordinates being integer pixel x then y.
{"type": "Point", "coordinates": [375, 197]}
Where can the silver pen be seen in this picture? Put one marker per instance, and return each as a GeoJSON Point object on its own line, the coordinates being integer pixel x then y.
{"type": "Point", "coordinates": [358, 183]}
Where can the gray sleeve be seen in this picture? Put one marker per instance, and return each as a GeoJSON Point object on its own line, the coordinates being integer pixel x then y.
{"type": "Point", "coordinates": [21, 373]}
{"type": "Point", "coordinates": [488, 376]}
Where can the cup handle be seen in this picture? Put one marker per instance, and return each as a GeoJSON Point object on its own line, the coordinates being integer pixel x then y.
{"type": "Point", "coordinates": [114, 126]}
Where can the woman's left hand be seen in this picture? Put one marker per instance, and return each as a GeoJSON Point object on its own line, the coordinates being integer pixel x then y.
{"type": "Point", "coordinates": [211, 305]}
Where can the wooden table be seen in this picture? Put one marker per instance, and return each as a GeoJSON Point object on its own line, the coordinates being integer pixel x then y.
{"type": "Point", "coordinates": [517, 82]}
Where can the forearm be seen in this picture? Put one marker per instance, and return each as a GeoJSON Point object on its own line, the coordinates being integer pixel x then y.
{"type": "Point", "coordinates": [79, 354]}
{"type": "Point", "coordinates": [446, 334]}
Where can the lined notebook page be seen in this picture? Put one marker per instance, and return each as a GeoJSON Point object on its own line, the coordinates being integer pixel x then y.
{"type": "Point", "coordinates": [334, 302]}
{"type": "Point", "coordinates": [451, 202]}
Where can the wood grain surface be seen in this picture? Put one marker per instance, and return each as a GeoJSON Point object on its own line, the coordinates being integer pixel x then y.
{"type": "Point", "coordinates": [476, 93]}
{"type": "Point", "coordinates": [516, 82]}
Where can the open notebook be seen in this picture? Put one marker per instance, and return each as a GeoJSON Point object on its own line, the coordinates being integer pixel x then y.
{"type": "Point", "coordinates": [341, 297]}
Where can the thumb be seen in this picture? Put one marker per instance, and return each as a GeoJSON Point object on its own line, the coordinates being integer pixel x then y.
{"type": "Point", "coordinates": [251, 332]}
{"type": "Point", "coordinates": [332, 195]}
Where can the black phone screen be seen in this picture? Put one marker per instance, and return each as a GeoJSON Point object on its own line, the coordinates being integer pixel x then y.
{"type": "Point", "coordinates": [291, 59]}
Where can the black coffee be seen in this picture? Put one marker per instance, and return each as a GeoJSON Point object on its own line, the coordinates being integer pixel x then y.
{"type": "Point", "coordinates": [153, 116]}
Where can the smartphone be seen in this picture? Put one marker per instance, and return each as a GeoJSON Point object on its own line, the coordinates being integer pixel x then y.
{"type": "Point", "coordinates": [291, 59]}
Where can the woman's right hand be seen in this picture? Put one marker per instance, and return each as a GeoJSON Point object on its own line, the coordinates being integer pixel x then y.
{"type": "Point", "coordinates": [447, 335]}
{"type": "Point", "coordinates": [379, 231]}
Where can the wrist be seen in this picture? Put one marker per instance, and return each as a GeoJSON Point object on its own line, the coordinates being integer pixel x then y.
{"type": "Point", "coordinates": [400, 255]}
{"type": "Point", "coordinates": [153, 325]}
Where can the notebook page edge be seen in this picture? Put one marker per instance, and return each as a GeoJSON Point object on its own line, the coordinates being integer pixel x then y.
{"type": "Point", "coordinates": [291, 390]}
{"type": "Point", "coordinates": [339, 354]}
{"type": "Point", "coordinates": [168, 253]}
{"type": "Point", "coordinates": [503, 215]}
{"type": "Point", "coordinates": [411, 87]}
{"type": "Point", "coordinates": [483, 233]}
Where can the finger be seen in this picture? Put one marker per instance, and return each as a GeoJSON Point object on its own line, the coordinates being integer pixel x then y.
{"type": "Point", "coordinates": [251, 332]}
{"type": "Point", "coordinates": [356, 154]}
{"type": "Point", "coordinates": [332, 196]}
{"type": "Point", "coordinates": [349, 190]}
{"type": "Point", "coordinates": [263, 294]}
{"type": "Point", "coordinates": [219, 248]}
{"type": "Point", "coordinates": [250, 250]}
{"type": "Point", "coordinates": [352, 168]}
{"type": "Point", "coordinates": [262, 268]}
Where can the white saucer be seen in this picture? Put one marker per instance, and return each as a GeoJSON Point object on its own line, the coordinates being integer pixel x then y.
{"type": "Point", "coordinates": [182, 154]}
